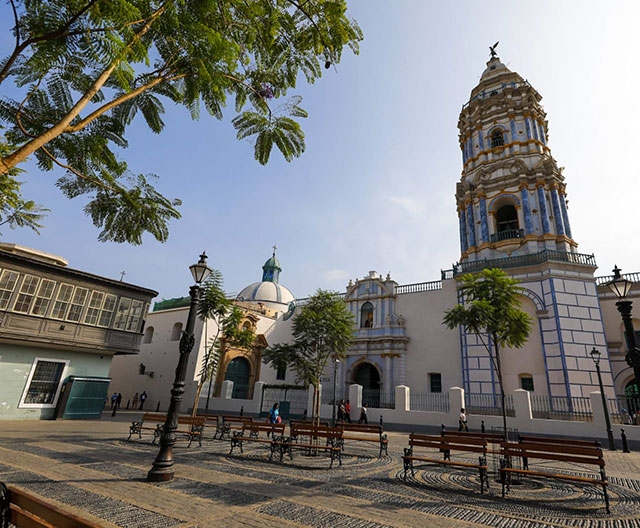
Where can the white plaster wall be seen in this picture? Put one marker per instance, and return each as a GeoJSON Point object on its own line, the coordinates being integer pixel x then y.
{"type": "Point", "coordinates": [160, 357]}
{"type": "Point", "coordinates": [432, 347]}
{"type": "Point", "coordinates": [528, 359]}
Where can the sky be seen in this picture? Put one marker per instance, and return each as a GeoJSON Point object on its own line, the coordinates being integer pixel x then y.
{"type": "Point", "coordinates": [375, 188]}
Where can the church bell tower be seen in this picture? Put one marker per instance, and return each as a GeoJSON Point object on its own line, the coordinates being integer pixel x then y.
{"type": "Point", "coordinates": [512, 208]}
{"type": "Point", "coordinates": [511, 197]}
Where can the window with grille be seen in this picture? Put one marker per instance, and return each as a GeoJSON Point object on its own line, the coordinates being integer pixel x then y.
{"type": "Point", "coordinates": [77, 304]}
{"type": "Point", "coordinates": [435, 382]}
{"type": "Point", "coordinates": [497, 139]}
{"type": "Point", "coordinates": [93, 311]}
{"type": "Point", "coordinates": [26, 294]}
{"type": "Point", "coordinates": [43, 297]}
{"type": "Point", "coordinates": [106, 314]}
{"type": "Point", "coordinates": [526, 382]}
{"type": "Point", "coordinates": [43, 384]}
{"type": "Point", "coordinates": [122, 314]}
{"type": "Point", "coordinates": [133, 320]}
{"type": "Point", "coordinates": [8, 283]}
{"type": "Point", "coordinates": [63, 299]}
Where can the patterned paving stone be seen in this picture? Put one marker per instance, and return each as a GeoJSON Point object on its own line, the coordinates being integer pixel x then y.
{"type": "Point", "coordinates": [117, 512]}
{"type": "Point", "coordinates": [352, 496]}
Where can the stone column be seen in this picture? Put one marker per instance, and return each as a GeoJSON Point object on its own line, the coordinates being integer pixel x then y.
{"type": "Point", "coordinates": [544, 213]}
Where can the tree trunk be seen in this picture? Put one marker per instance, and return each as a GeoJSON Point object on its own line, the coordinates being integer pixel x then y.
{"type": "Point", "coordinates": [196, 400]}
{"type": "Point", "coordinates": [502, 395]}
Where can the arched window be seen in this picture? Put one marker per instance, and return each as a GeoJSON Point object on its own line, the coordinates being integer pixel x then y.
{"type": "Point", "coordinates": [497, 138]}
{"type": "Point", "coordinates": [526, 382]}
{"type": "Point", "coordinates": [176, 332]}
{"type": "Point", "coordinates": [148, 335]}
{"type": "Point", "coordinates": [246, 326]}
{"type": "Point", "coordinates": [366, 315]}
{"type": "Point", "coordinates": [507, 221]}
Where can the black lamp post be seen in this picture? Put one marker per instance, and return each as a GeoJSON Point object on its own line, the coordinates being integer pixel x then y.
{"type": "Point", "coordinates": [595, 355]}
{"type": "Point", "coordinates": [335, 373]}
{"type": "Point", "coordinates": [621, 287]}
{"type": "Point", "coordinates": [162, 470]}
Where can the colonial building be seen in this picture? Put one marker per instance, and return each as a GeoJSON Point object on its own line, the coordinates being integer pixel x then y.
{"type": "Point", "coordinates": [59, 329]}
{"type": "Point", "coordinates": [513, 215]}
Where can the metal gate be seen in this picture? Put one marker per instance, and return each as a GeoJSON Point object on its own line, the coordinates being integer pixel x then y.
{"type": "Point", "coordinates": [295, 397]}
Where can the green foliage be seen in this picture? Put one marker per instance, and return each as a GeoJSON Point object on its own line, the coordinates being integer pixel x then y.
{"type": "Point", "coordinates": [491, 307]}
{"type": "Point", "coordinates": [84, 70]}
{"type": "Point", "coordinates": [215, 306]}
{"type": "Point", "coordinates": [323, 329]}
{"type": "Point", "coordinates": [15, 211]}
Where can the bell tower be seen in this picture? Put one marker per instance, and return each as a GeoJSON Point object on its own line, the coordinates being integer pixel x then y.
{"type": "Point", "coordinates": [512, 208]}
{"type": "Point", "coordinates": [511, 197]}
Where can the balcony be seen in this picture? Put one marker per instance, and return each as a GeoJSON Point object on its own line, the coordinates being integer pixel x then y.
{"type": "Point", "coordinates": [475, 266]}
{"type": "Point", "coordinates": [507, 234]}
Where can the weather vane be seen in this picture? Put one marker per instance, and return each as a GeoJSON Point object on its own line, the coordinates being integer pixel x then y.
{"type": "Point", "coordinates": [493, 49]}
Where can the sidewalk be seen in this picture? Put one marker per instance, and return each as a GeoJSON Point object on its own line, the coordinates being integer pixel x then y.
{"type": "Point", "coordinates": [89, 468]}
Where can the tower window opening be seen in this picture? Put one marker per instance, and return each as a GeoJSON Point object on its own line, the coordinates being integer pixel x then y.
{"type": "Point", "coordinates": [507, 224]}
{"type": "Point", "coordinates": [497, 139]}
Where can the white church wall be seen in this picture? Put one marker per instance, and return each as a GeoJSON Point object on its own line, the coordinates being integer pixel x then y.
{"type": "Point", "coordinates": [528, 360]}
{"type": "Point", "coordinates": [432, 348]}
{"type": "Point", "coordinates": [160, 358]}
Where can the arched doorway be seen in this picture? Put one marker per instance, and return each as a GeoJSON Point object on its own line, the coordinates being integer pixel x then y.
{"type": "Point", "coordinates": [367, 376]}
{"type": "Point", "coordinates": [238, 372]}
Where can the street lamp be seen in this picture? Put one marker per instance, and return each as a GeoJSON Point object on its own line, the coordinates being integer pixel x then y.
{"type": "Point", "coordinates": [335, 374]}
{"type": "Point", "coordinates": [621, 287]}
{"type": "Point", "coordinates": [162, 470]}
{"type": "Point", "coordinates": [595, 355]}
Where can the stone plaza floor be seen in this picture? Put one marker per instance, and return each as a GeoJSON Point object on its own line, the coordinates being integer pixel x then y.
{"type": "Point", "coordinates": [89, 468]}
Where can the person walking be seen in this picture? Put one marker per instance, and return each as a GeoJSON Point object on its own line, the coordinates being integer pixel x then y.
{"type": "Point", "coordinates": [114, 399]}
{"type": "Point", "coordinates": [462, 421]}
{"type": "Point", "coordinates": [347, 411]}
{"type": "Point", "coordinates": [134, 402]}
{"type": "Point", "coordinates": [119, 400]}
{"type": "Point", "coordinates": [341, 411]}
{"type": "Point", "coordinates": [143, 397]}
{"type": "Point", "coordinates": [363, 414]}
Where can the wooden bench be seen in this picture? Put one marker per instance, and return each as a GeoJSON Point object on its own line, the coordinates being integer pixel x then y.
{"type": "Point", "coordinates": [228, 423]}
{"type": "Point", "coordinates": [557, 440]}
{"type": "Point", "coordinates": [446, 445]}
{"type": "Point", "coordinates": [25, 510]}
{"type": "Point", "coordinates": [332, 437]}
{"type": "Point", "coordinates": [251, 433]}
{"type": "Point", "coordinates": [560, 452]}
{"type": "Point", "coordinates": [193, 427]}
{"type": "Point", "coordinates": [294, 422]}
{"type": "Point", "coordinates": [491, 438]}
{"type": "Point", "coordinates": [365, 433]}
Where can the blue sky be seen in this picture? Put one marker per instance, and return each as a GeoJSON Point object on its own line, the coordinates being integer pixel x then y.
{"type": "Point", "coordinates": [375, 187]}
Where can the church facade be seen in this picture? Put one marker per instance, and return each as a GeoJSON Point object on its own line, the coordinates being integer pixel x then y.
{"type": "Point", "coordinates": [513, 215]}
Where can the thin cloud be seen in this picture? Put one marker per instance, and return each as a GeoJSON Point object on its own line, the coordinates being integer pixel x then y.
{"type": "Point", "coordinates": [411, 205]}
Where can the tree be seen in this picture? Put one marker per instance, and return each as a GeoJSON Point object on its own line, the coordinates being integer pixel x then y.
{"type": "Point", "coordinates": [15, 211]}
{"type": "Point", "coordinates": [84, 69]}
{"type": "Point", "coordinates": [323, 329]}
{"type": "Point", "coordinates": [215, 306]}
{"type": "Point", "coordinates": [491, 310]}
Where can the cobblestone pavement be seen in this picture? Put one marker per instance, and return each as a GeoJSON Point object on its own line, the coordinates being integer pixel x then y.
{"type": "Point", "coordinates": [88, 467]}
